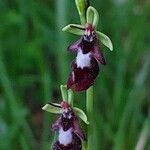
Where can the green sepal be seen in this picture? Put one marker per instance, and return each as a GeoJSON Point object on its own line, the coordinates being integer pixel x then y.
{"type": "Point", "coordinates": [81, 10]}
{"type": "Point", "coordinates": [64, 93]}
{"type": "Point", "coordinates": [92, 16]}
{"type": "Point", "coordinates": [105, 40]}
{"type": "Point", "coordinates": [70, 97]}
{"type": "Point", "coordinates": [52, 108]}
{"type": "Point", "coordinates": [75, 29]}
{"type": "Point", "coordinates": [81, 114]}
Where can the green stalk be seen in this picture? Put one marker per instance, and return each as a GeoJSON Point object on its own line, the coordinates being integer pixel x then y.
{"type": "Point", "coordinates": [89, 108]}
{"type": "Point", "coordinates": [82, 6]}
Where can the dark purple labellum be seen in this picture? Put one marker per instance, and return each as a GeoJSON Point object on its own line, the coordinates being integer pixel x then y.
{"type": "Point", "coordinates": [85, 67]}
{"type": "Point", "coordinates": [69, 132]}
{"type": "Point", "coordinates": [81, 79]}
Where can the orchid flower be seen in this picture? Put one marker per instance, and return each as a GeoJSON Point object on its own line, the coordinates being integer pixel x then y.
{"type": "Point", "coordinates": [70, 134]}
{"type": "Point", "coordinates": [85, 67]}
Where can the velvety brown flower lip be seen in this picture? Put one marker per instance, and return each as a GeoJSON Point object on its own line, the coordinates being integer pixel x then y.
{"type": "Point", "coordinates": [85, 67]}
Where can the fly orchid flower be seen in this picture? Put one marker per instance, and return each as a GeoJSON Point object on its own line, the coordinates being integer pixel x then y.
{"type": "Point", "coordinates": [70, 135]}
{"type": "Point", "coordinates": [85, 67]}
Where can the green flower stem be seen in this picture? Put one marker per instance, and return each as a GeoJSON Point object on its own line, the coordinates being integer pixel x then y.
{"type": "Point", "coordinates": [82, 6]}
{"type": "Point", "coordinates": [89, 108]}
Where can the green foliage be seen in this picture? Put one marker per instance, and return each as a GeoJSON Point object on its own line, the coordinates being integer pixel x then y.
{"type": "Point", "coordinates": [34, 62]}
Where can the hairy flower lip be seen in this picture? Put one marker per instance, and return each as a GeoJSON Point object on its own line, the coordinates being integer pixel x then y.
{"type": "Point", "coordinates": [84, 78]}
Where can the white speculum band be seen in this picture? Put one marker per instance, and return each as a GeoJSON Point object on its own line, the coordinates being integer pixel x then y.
{"type": "Point", "coordinates": [83, 60]}
{"type": "Point", "coordinates": [65, 137]}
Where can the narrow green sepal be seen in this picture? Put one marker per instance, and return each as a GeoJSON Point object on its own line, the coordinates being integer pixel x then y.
{"type": "Point", "coordinates": [81, 114]}
{"type": "Point", "coordinates": [64, 92]}
{"type": "Point", "coordinates": [92, 16]}
{"type": "Point", "coordinates": [81, 10]}
{"type": "Point", "coordinates": [74, 28]}
{"type": "Point", "coordinates": [70, 97]}
{"type": "Point", "coordinates": [105, 40]}
{"type": "Point", "coordinates": [52, 108]}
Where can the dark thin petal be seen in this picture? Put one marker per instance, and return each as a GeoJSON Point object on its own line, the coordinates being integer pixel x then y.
{"type": "Point", "coordinates": [97, 54]}
{"type": "Point", "coordinates": [75, 46]}
{"type": "Point", "coordinates": [77, 130]}
{"type": "Point", "coordinates": [56, 125]}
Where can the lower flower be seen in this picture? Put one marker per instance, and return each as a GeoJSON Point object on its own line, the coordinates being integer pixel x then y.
{"type": "Point", "coordinates": [70, 135]}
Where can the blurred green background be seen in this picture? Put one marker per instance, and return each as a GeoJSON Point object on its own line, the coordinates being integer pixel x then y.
{"type": "Point", "coordinates": [34, 62]}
